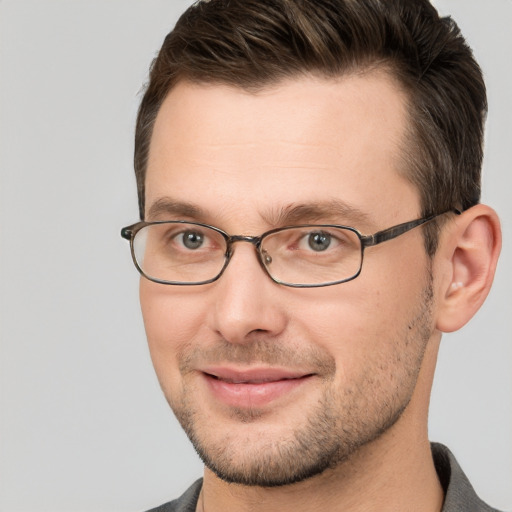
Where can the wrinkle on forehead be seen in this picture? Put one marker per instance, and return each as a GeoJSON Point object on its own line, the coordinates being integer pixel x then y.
{"type": "Point", "coordinates": [326, 151]}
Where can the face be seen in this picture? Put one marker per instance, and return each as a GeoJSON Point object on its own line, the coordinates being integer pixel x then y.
{"type": "Point", "coordinates": [276, 384]}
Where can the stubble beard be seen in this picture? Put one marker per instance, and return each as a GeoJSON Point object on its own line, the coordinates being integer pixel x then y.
{"type": "Point", "coordinates": [342, 421]}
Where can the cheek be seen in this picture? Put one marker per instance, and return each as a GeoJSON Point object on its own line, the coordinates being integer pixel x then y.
{"type": "Point", "coordinates": [172, 320]}
{"type": "Point", "coordinates": [360, 322]}
{"type": "Point", "coordinates": [169, 313]}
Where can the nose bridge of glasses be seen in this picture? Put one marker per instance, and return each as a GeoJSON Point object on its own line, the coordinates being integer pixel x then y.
{"type": "Point", "coordinates": [254, 240]}
{"type": "Point", "coordinates": [263, 258]}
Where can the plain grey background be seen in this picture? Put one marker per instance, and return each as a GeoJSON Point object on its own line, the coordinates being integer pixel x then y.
{"type": "Point", "coordinates": [83, 424]}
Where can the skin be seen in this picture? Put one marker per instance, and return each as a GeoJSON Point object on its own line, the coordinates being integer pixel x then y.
{"type": "Point", "coordinates": [365, 350]}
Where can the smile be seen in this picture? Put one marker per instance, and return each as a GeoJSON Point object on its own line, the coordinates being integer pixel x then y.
{"type": "Point", "coordinates": [252, 388]}
{"type": "Point", "coordinates": [255, 381]}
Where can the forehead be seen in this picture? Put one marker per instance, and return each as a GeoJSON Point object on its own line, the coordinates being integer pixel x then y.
{"type": "Point", "coordinates": [300, 141]}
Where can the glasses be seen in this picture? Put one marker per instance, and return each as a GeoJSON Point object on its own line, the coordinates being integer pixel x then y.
{"type": "Point", "coordinates": [305, 256]}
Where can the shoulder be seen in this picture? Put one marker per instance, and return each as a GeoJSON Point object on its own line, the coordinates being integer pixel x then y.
{"type": "Point", "coordinates": [459, 493]}
{"type": "Point", "coordinates": [187, 502]}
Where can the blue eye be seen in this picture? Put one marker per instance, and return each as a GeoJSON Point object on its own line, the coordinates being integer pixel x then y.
{"type": "Point", "coordinates": [319, 241]}
{"type": "Point", "coordinates": [192, 239]}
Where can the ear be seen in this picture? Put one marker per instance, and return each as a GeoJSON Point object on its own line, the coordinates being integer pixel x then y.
{"type": "Point", "coordinates": [466, 260]}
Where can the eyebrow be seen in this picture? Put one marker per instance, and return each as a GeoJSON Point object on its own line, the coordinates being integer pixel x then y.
{"type": "Point", "coordinates": [165, 206]}
{"type": "Point", "coordinates": [333, 211]}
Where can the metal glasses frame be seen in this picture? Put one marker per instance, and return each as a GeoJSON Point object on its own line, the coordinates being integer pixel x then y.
{"type": "Point", "coordinates": [377, 238]}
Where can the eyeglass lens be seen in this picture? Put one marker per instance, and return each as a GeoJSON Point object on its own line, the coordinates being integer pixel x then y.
{"type": "Point", "coordinates": [302, 255]}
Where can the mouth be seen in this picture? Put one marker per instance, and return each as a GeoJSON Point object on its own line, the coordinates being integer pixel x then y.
{"type": "Point", "coordinates": [255, 387]}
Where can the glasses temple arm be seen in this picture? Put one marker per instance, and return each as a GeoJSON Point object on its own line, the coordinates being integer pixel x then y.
{"type": "Point", "coordinates": [393, 232]}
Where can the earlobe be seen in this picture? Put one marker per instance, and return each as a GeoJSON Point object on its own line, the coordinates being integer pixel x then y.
{"type": "Point", "coordinates": [469, 250]}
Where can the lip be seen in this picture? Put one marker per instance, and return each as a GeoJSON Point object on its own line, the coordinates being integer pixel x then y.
{"type": "Point", "coordinates": [253, 387]}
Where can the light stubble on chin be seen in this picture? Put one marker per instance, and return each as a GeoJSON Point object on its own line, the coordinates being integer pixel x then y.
{"type": "Point", "coordinates": [341, 421]}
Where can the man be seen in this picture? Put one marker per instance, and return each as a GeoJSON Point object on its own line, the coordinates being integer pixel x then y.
{"type": "Point", "coordinates": [279, 143]}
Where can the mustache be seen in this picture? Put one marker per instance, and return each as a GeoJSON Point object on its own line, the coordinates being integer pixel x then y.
{"type": "Point", "coordinates": [262, 351]}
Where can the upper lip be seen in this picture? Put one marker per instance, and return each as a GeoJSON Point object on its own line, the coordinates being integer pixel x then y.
{"type": "Point", "coordinates": [253, 375]}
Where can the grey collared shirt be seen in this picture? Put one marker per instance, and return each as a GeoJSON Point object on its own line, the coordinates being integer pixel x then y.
{"type": "Point", "coordinates": [459, 493]}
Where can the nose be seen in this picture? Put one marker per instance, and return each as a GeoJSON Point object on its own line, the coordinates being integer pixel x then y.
{"type": "Point", "coordinates": [247, 303]}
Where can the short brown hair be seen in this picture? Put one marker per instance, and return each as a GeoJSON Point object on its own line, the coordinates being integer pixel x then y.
{"type": "Point", "coordinates": [255, 43]}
